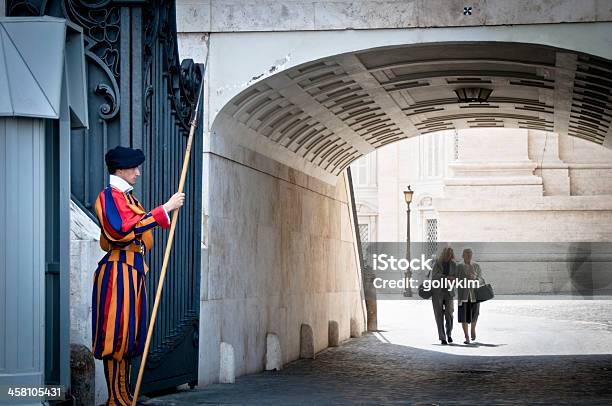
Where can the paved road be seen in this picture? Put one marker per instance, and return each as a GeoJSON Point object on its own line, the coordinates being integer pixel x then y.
{"type": "Point", "coordinates": [507, 327]}
{"type": "Point", "coordinates": [526, 353]}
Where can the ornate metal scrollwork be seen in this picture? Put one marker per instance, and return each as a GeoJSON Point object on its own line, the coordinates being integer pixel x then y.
{"type": "Point", "coordinates": [110, 109]}
{"type": "Point", "coordinates": [26, 7]}
{"type": "Point", "coordinates": [101, 26]}
{"type": "Point", "coordinates": [184, 79]}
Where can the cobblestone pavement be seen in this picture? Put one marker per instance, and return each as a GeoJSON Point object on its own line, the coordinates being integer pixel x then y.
{"type": "Point", "coordinates": [375, 369]}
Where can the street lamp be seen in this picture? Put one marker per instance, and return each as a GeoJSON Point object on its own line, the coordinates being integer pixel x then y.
{"type": "Point", "coordinates": [408, 274]}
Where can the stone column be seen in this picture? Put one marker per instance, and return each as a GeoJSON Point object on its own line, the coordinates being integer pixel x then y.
{"type": "Point", "coordinates": [493, 163]}
{"type": "Point", "coordinates": [544, 150]}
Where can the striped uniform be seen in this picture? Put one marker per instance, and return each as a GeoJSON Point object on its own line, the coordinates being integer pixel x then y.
{"type": "Point", "coordinates": [119, 297]}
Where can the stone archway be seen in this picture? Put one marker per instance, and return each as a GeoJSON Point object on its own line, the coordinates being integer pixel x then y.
{"type": "Point", "coordinates": [279, 228]}
{"type": "Point", "coordinates": [320, 116]}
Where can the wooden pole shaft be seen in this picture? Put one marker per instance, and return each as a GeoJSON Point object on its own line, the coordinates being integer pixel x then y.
{"type": "Point", "coordinates": [162, 275]}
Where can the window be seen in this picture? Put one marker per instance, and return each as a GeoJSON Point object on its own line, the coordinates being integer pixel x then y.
{"type": "Point", "coordinates": [456, 145]}
{"type": "Point", "coordinates": [364, 237]}
{"type": "Point", "coordinates": [431, 236]}
{"type": "Point", "coordinates": [364, 170]}
{"type": "Point", "coordinates": [364, 233]}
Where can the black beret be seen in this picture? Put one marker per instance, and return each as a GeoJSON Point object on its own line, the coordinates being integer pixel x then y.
{"type": "Point", "coordinates": [123, 158]}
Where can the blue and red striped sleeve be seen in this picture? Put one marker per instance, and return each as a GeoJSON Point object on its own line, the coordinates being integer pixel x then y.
{"type": "Point", "coordinates": [122, 220]}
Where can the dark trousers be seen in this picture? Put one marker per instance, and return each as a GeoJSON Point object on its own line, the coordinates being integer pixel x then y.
{"type": "Point", "coordinates": [443, 311]}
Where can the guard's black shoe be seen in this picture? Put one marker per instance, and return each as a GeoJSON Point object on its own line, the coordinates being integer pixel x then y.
{"type": "Point", "coordinates": [450, 339]}
{"type": "Point", "coordinates": [443, 342]}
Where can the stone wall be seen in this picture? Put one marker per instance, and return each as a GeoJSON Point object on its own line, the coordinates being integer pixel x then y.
{"type": "Point", "coordinates": [579, 218]}
{"type": "Point", "coordinates": [291, 15]}
{"type": "Point", "coordinates": [85, 253]}
{"type": "Point", "coordinates": [589, 167]}
{"type": "Point", "coordinates": [279, 254]}
{"type": "Point", "coordinates": [526, 185]}
{"type": "Point", "coordinates": [241, 59]}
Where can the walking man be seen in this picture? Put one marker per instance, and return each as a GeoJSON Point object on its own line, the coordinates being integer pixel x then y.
{"type": "Point", "coordinates": [444, 269]}
{"type": "Point", "coordinates": [119, 297]}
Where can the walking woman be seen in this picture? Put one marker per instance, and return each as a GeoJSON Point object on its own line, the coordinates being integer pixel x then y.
{"type": "Point", "coordinates": [468, 309]}
{"type": "Point", "coordinates": [444, 270]}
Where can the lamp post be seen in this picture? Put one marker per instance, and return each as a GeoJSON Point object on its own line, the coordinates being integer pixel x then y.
{"type": "Point", "coordinates": [408, 274]}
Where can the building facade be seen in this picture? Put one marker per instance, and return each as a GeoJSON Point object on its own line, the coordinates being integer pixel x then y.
{"type": "Point", "coordinates": [486, 185]}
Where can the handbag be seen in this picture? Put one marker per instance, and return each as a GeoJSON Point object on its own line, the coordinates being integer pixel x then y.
{"type": "Point", "coordinates": [425, 293]}
{"type": "Point", "coordinates": [484, 293]}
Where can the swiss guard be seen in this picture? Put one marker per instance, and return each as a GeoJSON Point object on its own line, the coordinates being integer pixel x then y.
{"type": "Point", "coordinates": [119, 297]}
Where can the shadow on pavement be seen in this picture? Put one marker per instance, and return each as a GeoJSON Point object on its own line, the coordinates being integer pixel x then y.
{"type": "Point", "coordinates": [369, 371]}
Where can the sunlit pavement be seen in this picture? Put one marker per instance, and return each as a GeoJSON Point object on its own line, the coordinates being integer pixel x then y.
{"type": "Point", "coordinates": [506, 327]}
{"type": "Point", "coordinates": [526, 352]}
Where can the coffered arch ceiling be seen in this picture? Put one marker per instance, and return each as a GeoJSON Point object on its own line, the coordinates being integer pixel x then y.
{"type": "Point", "coordinates": [329, 112]}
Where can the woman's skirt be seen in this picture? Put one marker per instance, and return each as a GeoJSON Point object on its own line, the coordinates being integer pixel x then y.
{"type": "Point", "coordinates": [467, 312]}
{"type": "Point", "coordinates": [119, 306]}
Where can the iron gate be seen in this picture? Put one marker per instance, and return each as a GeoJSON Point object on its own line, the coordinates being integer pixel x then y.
{"type": "Point", "coordinates": [141, 96]}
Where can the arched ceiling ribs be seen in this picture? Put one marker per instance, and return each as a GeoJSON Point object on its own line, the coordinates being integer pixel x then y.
{"type": "Point", "coordinates": [327, 113]}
